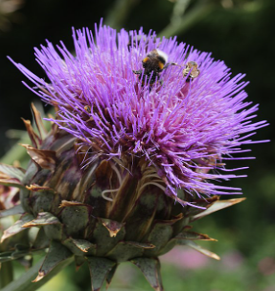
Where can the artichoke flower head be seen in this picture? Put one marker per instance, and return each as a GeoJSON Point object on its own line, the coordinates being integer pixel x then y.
{"type": "Point", "coordinates": [142, 129]}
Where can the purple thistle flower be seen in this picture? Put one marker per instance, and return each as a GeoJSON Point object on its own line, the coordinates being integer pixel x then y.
{"type": "Point", "coordinates": [186, 129]}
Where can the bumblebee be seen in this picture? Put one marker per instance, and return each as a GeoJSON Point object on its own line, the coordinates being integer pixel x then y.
{"type": "Point", "coordinates": [192, 70]}
{"type": "Point", "coordinates": [154, 63]}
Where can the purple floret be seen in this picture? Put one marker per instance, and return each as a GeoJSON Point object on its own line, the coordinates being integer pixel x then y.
{"type": "Point", "coordinates": [186, 129]}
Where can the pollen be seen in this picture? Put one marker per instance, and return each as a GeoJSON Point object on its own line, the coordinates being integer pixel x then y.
{"type": "Point", "coordinates": [161, 65]}
{"type": "Point", "coordinates": [145, 60]}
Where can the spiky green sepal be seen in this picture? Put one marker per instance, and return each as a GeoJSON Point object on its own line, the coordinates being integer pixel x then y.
{"type": "Point", "coordinates": [150, 267]}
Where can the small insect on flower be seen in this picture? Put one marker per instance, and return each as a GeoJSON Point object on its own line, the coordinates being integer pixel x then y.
{"type": "Point", "coordinates": [154, 63]}
{"type": "Point", "coordinates": [87, 108]}
{"type": "Point", "coordinates": [192, 70]}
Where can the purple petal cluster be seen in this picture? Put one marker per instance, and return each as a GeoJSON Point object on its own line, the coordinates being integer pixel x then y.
{"type": "Point", "coordinates": [186, 129]}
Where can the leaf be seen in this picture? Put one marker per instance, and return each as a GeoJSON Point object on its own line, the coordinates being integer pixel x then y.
{"type": "Point", "coordinates": [43, 218]}
{"type": "Point", "coordinates": [99, 269]}
{"type": "Point", "coordinates": [39, 122]}
{"type": "Point", "coordinates": [79, 247]}
{"type": "Point", "coordinates": [198, 248]}
{"type": "Point", "coordinates": [75, 218]}
{"type": "Point", "coordinates": [46, 159]}
{"type": "Point", "coordinates": [35, 139]}
{"type": "Point", "coordinates": [54, 231]}
{"type": "Point", "coordinates": [218, 205]}
{"type": "Point", "coordinates": [150, 267]}
{"type": "Point", "coordinates": [13, 172]}
{"type": "Point", "coordinates": [17, 227]}
{"type": "Point", "coordinates": [125, 250]}
{"type": "Point", "coordinates": [12, 211]}
{"type": "Point", "coordinates": [159, 236]}
{"type": "Point", "coordinates": [112, 226]}
{"type": "Point", "coordinates": [10, 182]}
{"type": "Point", "coordinates": [141, 216]}
{"type": "Point", "coordinates": [83, 244]}
{"type": "Point", "coordinates": [56, 255]}
{"type": "Point", "coordinates": [41, 240]}
{"type": "Point", "coordinates": [192, 235]}
{"type": "Point", "coordinates": [105, 243]}
{"type": "Point", "coordinates": [204, 202]}
{"type": "Point", "coordinates": [23, 283]}
{"type": "Point", "coordinates": [37, 188]}
{"type": "Point", "coordinates": [142, 245]}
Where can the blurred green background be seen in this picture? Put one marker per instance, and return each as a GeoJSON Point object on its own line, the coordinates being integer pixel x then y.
{"type": "Point", "coordinates": [240, 32]}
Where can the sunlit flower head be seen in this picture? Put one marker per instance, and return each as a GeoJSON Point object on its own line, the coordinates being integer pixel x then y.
{"type": "Point", "coordinates": [185, 120]}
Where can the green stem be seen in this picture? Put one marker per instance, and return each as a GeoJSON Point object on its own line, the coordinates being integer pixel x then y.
{"type": "Point", "coordinates": [189, 19]}
{"type": "Point", "coordinates": [6, 274]}
{"type": "Point", "coordinates": [24, 283]}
